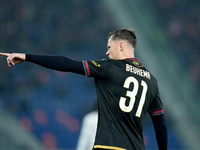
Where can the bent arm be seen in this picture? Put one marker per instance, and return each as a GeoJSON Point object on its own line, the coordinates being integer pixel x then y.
{"type": "Point", "coordinates": [161, 131]}
{"type": "Point", "coordinates": [59, 63]}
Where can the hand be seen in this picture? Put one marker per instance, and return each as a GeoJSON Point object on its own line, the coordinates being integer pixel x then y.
{"type": "Point", "coordinates": [14, 58]}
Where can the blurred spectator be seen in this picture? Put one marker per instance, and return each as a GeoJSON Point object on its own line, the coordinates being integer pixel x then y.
{"type": "Point", "coordinates": [88, 131]}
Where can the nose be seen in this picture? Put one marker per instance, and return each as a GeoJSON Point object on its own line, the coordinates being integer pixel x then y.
{"type": "Point", "coordinates": [108, 52]}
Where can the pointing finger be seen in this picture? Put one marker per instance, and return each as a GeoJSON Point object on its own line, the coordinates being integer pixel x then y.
{"type": "Point", "coordinates": [5, 54]}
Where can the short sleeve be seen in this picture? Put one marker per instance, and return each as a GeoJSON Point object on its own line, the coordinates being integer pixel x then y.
{"type": "Point", "coordinates": [99, 68]}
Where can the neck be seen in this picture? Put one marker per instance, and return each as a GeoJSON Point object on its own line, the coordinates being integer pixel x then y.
{"type": "Point", "coordinates": [128, 55]}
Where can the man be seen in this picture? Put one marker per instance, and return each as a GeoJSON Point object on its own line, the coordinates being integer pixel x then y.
{"type": "Point", "coordinates": [126, 92]}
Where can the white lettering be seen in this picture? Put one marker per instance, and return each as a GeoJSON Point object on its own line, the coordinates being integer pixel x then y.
{"type": "Point", "coordinates": [137, 71]}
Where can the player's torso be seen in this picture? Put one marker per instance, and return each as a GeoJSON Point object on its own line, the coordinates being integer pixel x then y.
{"type": "Point", "coordinates": [124, 102]}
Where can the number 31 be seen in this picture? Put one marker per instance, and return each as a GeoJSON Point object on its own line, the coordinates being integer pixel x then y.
{"type": "Point", "coordinates": [132, 94]}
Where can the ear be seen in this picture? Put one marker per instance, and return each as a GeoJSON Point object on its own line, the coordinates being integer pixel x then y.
{"type": "Point", "coordinates": [122, 46]}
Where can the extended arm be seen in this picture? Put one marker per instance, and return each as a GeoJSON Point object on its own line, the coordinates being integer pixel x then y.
{"type": "Point", "coordinates": [59, 63]}
{"type": "Point", "coordinates": [161, 131]}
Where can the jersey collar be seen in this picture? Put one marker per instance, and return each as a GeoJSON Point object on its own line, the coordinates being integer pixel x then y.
{"type": "Point", "coordinates": [134, 59]}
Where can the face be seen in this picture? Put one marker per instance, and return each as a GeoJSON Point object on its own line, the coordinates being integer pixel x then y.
{"type": "Point", "coordinates": [113, 51]}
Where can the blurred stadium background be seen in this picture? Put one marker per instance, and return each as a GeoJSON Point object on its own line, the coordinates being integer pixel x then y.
{"type": "Point", "coordinates": [41, 109]}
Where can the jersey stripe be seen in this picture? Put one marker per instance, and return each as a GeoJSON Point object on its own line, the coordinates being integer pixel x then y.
{"type": "Point", "coordinates": [157, 112]}
{"type": "Point", "coordinates": [135, 59]}
{"type": "Point", "coordinates": [108, 147]}
{"type": "Point", "coordinates": [86, 68]}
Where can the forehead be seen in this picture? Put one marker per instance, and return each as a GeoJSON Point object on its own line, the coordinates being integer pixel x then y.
{"type": "Point", "coordinates": [111, 43]}
{"type": "Point", "coordinates": [110, 39]}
